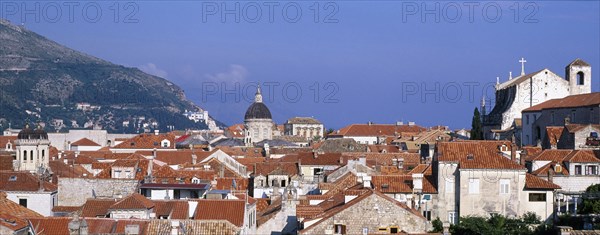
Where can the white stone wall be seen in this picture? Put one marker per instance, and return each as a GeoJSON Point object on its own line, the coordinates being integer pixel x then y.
{"type": "Point", "coordinates": [489, 199]}
{"type": "Point", "coordinates": [447, 191]}
{"type": "Point", "coordinates": [258, 130]}
{"type": "Point", "coordinates": [302, 129]}
{"type": "Point", "coordinates": [40, 202]}
{"type": "Point", "coordinates": [576, 183]}
{"type": "Point", "coordinates": [542, 209]}
{"type": "Point", "coordinates": [75, 191]}
{"type": "Point", "coordinates": [543, 86]}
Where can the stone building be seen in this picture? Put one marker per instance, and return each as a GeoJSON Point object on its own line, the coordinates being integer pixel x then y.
{"type": "Point", "coordinates": [32, 150]}
{"type": "Point", "coordinates": [306, 127]}
{"type": "Point", "coordinates": [474, 178]}
{"type": "Point", "coordinates": [369, 212]}
{"type": "Point", "coordinates": [527, 90]}
{"type": "Point", "coordinates": [574, 109]}
{"type": "Point", "coordinates": [258, 121]}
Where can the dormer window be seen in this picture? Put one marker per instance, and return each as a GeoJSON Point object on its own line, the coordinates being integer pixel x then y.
{"type": "Point", "coordinates": [557, 168]}
{"type": "Point", "coordinates": [12, 178]}
{"type": "Point", "coordinates": [165, 143]}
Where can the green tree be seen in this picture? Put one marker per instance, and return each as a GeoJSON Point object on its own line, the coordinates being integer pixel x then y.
{"type": "Point", "coordinates": [476, 129]}
{"type": "Point", "coordinates": [438, 226]}
{"type": "Point", "coordinates": [591, 200]}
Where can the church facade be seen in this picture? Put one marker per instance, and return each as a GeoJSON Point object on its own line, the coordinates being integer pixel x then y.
{"type": "Point", "coordinates": [526, 90]}
{"type": "Point", "coordinates": [258, 121]}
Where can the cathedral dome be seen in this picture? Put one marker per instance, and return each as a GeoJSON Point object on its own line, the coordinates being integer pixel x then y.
{"type": "Point", "coordinates": [258, 111]}
{"type": "Point", "coordinates": [28, 133]}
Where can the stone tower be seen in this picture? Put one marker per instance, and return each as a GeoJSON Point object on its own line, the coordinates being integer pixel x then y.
{"type": "Point", "coordinates": [579, 75]}
{"type": "Point", "coordinates": [33, 150]}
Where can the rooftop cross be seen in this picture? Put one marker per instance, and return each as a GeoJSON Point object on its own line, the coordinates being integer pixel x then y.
{"type": "Point", "coordinates": [522, 61]}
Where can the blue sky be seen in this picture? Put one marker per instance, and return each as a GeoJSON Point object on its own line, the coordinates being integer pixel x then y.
{"type": "Point", "coordinates": [365, 57]}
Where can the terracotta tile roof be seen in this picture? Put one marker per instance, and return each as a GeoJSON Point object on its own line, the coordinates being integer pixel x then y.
{"type": "Point", "coordinates": [476, 154]}
{"type": "Point", "coordinates": [210, 227]}
{"type": "Point", "coordinates": [249, 162]}
{"type": "Point", "coordinates": [226, 183]}
{"type": "Point", "coordinates": [534, 182]}
{"type": "Point", "coordinates": [6, 139]}
{"type": "Point", "coordinates": [59, 225]}
{"type": "Point", "coordinates": [306, 159]}
{"type": "Point", "coordinates": [66, 209]}
{"type": "Point", "coordinates": [173, 209]}
{"type": "Point", "coordinates": [377, 130]}
{"type": "Point", "coordinates": [544, 170]}
{"type": "Point", "coordinates": [333, 211]}
{"type": "Point", "coordinates": [60, 169]}
{"type": "Point", "coordinates": [383, 148]}
{"type": "Point", "coordinates": [392, 183]}
{"type": "Point", "coordinates": [23, 181]}
{"type": "Point", "coordinates": [266, 168]}
{"type": "Point", "coordinates": [133, 201]}
{"type": "Point", "coordinates": [84, 142]}
{"type": "Point", "coordinates": [178, 157]}
{"type": "Point", "coordinates": [147, 141]}
{"type": "Point", "coordinates": [556, 155]}
{"type": "Point", "coordinates": [230, 210]}
{"type": "Point", "coordinates": [121, 224]}
{"type": "Point", "coordinates": [12, 222]}
{"type": "Point", "coordinates": [530, 152]}
{"type": "Point", "coordinates": [582, 156]}
{"type": "Point", "coordinates": [242, 151]}
{"type": "Point", "coordinates": [571, 101]}
{"type": "Point", "coordinates": [554, 133]}
{"type": "Point", "coordinates": [343, 183]}
{"type": "Point", "coordinates": [82, 159]}
{"type": "Point", "coordinates": [262, 204]}
{"type": "Point", "coordinates": [572, 128]}
{"type": "Point", "coordinates": [11, 208]}
{"type": "Point", "coordinates": [6, 162]}
{"type": "Point", "coordinates": [236, 131]}
{"type": "Point", "coordinates": [96, 207]}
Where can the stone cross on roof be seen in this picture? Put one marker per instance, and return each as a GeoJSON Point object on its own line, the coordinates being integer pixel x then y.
{"type": "Point", "coordinates": [522, 61]}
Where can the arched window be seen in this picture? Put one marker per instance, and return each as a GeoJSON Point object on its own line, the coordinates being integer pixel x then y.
{"type": "Point", "coordinates": [580, 78]}
{"type": "Point", "coordinates": [25, 155]}
{"type": "Point", "coordinates": [31, 155]}
{"type": "Point", "coordinates": [43, 153]}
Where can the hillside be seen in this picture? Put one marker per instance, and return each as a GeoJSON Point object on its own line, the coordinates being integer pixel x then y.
{"type": "Point", "coordinates": [41, 80]}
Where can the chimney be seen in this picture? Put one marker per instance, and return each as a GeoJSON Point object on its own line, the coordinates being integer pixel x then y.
{"type": "Point", "coordinates": [399, 123]}
{"type": "Point", "coordinates": [156, 132]}
{"type": "Point", "coordinates": [400, 163]}
{"type": "Point", "coordinates": [513, 152]}
{"type": "Point", "coordinates": [175, 227]}
{"type": "Point", "coordinates": [417, 182]}
{"type": "Point", "coordinates": [551, 174]}
{"type": "Point", "coordinates": [567, 121]}
{"type": "Point", "coordinates": [194, 159]}
{"type": "Point", "coordinates": [341, 160]}
{"type": "Point", "coordinates": [367, 181]}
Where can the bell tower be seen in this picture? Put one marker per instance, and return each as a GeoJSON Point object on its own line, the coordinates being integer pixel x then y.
{"type": "Point", "coordinates": [579, 75]}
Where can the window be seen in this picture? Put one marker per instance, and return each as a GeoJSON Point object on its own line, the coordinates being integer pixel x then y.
{"type": "Point", "coordinates": [504, 186]}
{"type": "Point", "coordinates": [452, 217]}
{"type": "Point", "coordinates": [340, 229]}
{"type": "Point", "coordinates": [580, 78]}
{"type": "Point", "coordinates": [527, 119]}
{"type": "Point", "coordinates": [537, 197]}
{"type": "Point", "coordinates": [449, 186]}
{"type": "Point", "coordinates": [578, 170]}
{"type": "Point", "coordinates": [23, 202]}
{"type": "Point", "coordinates": [282, 183]}
{"type": "Point", "coordinates": [427, 215]}
{"type": "Point", "coordinates": [394, 230]}
{"type": "Point", "coordinates": [591, 170]}
{"type": "Point", "coordinates": [473, 186]}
